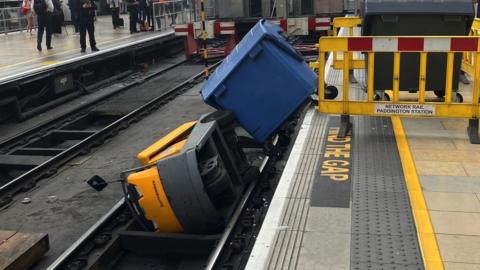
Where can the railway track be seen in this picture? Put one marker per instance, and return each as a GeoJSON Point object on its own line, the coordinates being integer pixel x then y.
{"type": "Point", "coordinates": [116, 241]}
{"type": "Point", "coordinates": [40, 151]}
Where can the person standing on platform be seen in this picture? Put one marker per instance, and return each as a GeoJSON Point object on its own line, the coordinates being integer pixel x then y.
{"type": "Point", "coordinates": [142, 14]}
{"type": "Point", "coordinates": [115, 9]}
{"type": "Point", "coordinates": [74, 6]}
{"type": "Point", "coordinates": [132, 6]}
{"type": "Point", "coordinates": [43, 9]}
{"type": "Point", "coordinates": [57, 17]}
{"type": "Point", "coordinates": [87, 18]}
{"type": "Point", "coordinates": [26, 9]}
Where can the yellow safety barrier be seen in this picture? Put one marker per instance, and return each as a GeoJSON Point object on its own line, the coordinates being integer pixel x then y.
{"type": "Point", "coordinates": [468, 57]}
{"type": "Point", "coordinates": [397, 107]}
{"type": "Point", "coordinates": [348, 23]}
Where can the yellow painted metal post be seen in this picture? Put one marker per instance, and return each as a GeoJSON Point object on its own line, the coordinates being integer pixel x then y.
{"type": "Point", "coordinates": [335, 54]}
{"type": "Point", "coordinates": [321, 76]}
{"type": "Point", "coordinates": [204, 37]}
{"type": "Point", "coordinates": [448, 78]}
{"type": "Point", "coordinates": [371, 66]}
{"type": "Point", "coordinates": [396, 76]}
{"type": "Point", "coordinates": [423, 77]}
{"type": "Point", "coordinates": [476, 82]}
{"type": "Point", "coordinates": [350, 54]}
{"type": "Point", "coordinates": [346, 86]}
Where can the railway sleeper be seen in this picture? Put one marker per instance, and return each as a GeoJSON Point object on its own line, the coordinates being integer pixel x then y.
{"type": "Point", "coordinates": [203, 139]}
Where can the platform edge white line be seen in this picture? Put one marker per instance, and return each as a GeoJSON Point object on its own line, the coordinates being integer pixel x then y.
{"type": "Point", "coordinates": [264, 242]}
{"type": "Point", "coordinates": [262, 249]}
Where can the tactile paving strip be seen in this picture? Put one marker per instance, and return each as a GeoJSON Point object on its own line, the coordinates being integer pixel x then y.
{"type": "Point", "coordinates": [383, 231]}
{"type": "Point", "coordinates": [288, 241]}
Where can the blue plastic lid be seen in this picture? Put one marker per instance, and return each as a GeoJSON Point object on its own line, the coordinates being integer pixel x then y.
{"type": "Point", "coordinates": [262, 30]}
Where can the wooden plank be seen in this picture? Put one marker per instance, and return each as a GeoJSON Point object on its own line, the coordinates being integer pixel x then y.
{"type": "Point", "coordinates": [21, 250]}
{"type": "Point", "coordinates": [4, 235]}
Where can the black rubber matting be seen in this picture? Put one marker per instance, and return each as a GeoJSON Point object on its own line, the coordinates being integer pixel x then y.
{"type": "Point", "coordinates": [383, 231]}
{"type": "Point", "coordinates": [332, 183]}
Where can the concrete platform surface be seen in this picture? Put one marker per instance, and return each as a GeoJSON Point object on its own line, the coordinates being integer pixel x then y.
{"type": "Point", "coordinates": [19, 54]}
{"type": "Point", "coordinates": [369, 222]}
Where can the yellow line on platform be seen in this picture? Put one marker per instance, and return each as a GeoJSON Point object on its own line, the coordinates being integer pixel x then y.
{"type": "Point", "coordinates": [426, 235]}
{"type": "Point", "coordinates": [50, 54]}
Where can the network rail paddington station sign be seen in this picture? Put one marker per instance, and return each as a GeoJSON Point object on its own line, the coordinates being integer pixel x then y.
{"type": "Point", "coordinates": [405, 109]}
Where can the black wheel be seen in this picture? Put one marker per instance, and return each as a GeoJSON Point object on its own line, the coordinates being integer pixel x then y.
{"type": "Point", "coordinates": [377, 97]}
{"type": "Point", "coordinates": [439, 93]}
{"type": "Point", "coordinates": [283, 140]}
{"type": "Point", "coordinates": [386, 97]}
{"type": "Point", "coordinates": [331, 92]}
{"type": "Point", "coordinates": [458, 98]}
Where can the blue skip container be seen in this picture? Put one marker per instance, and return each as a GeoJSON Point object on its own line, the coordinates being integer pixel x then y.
{"type": "Point", "coordinates": [263, 81]}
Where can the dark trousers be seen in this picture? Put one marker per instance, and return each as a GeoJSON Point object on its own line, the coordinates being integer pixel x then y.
{"type": "Point", "coordinates": [87, 26]}
{"type": "Point", "coordinates": [45, 25]}
{"type": "Point", "coordinates": [133, 19]}
{"type": "Point", "coordinates": [144, 14]}
{"type": "Point", "coordinates": [115, 17]}
{"type": "Point", "coordinates": [74, 17]}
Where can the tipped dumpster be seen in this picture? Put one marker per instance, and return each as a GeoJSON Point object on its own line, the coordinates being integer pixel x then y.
{"type": "Point", "coordinates": [263, 81]}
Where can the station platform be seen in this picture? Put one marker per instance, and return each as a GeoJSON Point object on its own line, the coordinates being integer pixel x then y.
{"type": "Point", "coordinates": [397, 193]}
{"type": "Point", "coordinates": [20, 57]}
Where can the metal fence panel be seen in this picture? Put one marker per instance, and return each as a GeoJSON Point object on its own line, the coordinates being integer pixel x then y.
{"type": "Point", "coordinates": [168, 13]}
{"type": "Point", "coordinates": [12, 20]}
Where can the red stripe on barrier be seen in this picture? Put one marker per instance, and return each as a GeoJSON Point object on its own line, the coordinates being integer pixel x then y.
{"type": "Point", "coordinates": [360, 44]}
{"type": "Point", "coordinates": [410, 44]}
{"type": "Point", "coordinates": [181, 30]}
{"type": "Point", "coordinates": [216, 28]}
{"type": "Point", "coordinates": [190, 29]}
{"type": "Point", "coordinates": [311, 24]}
{"type": "Point", "coordinates": [284, 25]}
{"type": "Point", "coordinates": [323, 24]}
{"type": "Point", "coordinates": [227, 28]}
{"type": "Point", "coordinates": [464, 44]}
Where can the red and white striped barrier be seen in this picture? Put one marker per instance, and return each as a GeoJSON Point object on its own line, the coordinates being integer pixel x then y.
{"type": "Point", "coordinates": [303, 25]}
{"type": "Point", "coordinates": [224, 28]}
{"type": "Point", "coordinates": [192, 32]}
{"type": "Point", "coordinates": [283, 23]}
{"type": "Point", "coordinates": [219, 28]}
{"type": "Point", "coordinates": [184, 29]}
{"type": "Point", "coordinates": [405, 44]}
{"type": "Point", "coordinates": [319, 24]}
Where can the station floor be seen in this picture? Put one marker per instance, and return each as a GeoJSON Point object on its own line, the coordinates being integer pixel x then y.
{"type": "Point", "coordinates": [358, 203]}
{"type": "Point", "coordinates": [19, 54]}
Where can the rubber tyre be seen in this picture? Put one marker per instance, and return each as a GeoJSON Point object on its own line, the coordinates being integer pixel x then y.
{"type": "Point", "coordinates": [331, 92]}
{"type": "Point", "coordinates": [458, 98]}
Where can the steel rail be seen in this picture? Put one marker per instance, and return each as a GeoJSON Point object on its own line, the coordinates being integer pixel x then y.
{"type": "Point", "coordinates": [84, 106]}
{"type": "Point", "coordinates": [88, 234]}
{"type": "Point", "coordinates": [212, 260]}
{"type": "Point", "coordinates": [62, 260]}
{"type": "Point", "coordinates": [52, 164]}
